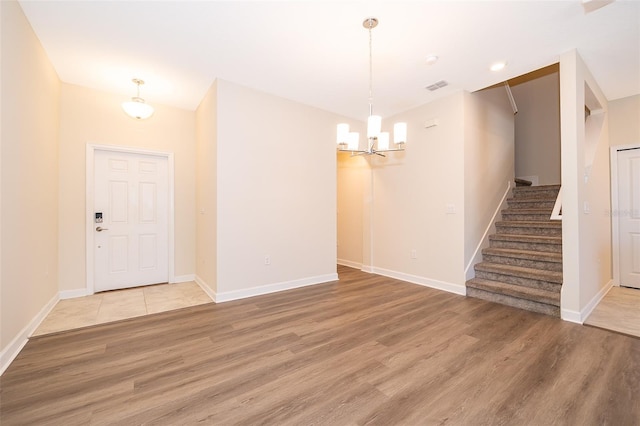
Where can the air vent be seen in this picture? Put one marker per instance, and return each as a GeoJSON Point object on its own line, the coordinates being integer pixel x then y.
{"type": "Point", "coordinates": [437, 85]}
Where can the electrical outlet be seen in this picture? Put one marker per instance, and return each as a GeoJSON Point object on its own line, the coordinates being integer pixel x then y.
{"type": "Point", "coordinates": [414, 254]}
{"type": "Point", "coordinates": [267, 260]}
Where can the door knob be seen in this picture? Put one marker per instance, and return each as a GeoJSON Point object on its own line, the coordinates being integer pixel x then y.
{"type": "Point", "coordinates": [100, 229]}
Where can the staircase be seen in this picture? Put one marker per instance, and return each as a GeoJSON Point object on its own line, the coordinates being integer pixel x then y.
{"type": "Point", "coordinates": [523, 265]}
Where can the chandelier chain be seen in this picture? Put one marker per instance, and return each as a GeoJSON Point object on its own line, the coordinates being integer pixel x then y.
{"type": "Point", "coordinates": [370, 70]}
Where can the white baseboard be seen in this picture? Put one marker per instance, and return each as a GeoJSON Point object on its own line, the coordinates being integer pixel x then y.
{"type": "Point", "coordinates": [349, 263]}
{"type": "Point", "coordinates": [71, 294]}
{"type": "Point", "coordinates": [367, 268]}
{"type": "Point", "coordinates": [205, 287]}
{"type": "Point", "coordinates": [183, 278]}
{"type": "Point", "coordinates": [586, 311]}
{"type": "Point", "coordinates": [570, 315]}
{"type": "Point", "coordinates": [427, 282]}
{"type": "Point", "coordinates": [580, 317]}
{"type": "Point", "coordinates": [12, 350]}
{"type": "Point", "coordinates": [273, 288]}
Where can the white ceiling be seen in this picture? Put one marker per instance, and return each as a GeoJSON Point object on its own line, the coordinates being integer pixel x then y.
{"type": "Point", "coordinates": [316, 52]}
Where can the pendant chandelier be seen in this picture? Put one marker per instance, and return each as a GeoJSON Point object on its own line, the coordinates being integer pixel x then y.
{"type": "Point", "coordinates": [136, 107]}
{"type": "Point", "coordinates": [378, 141]}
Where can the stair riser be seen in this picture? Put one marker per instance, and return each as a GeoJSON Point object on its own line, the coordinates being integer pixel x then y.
{"type": "Point", "coordinates": [547, 193]}
{"type": "Point", "coordinates": [529, 230]}
{"type": "Point", "coordinates": [548, 248]}
{"type": "Point", "coordinates": [514, 203]}
{"type": "Point", "coordinates": [526, 216]}
{"type": "Point", "coordinates": [527, 263]}
{"type": "Point", "coordinates": [526, 282]}
{"type": "Point", "coordinates": [514, 302]}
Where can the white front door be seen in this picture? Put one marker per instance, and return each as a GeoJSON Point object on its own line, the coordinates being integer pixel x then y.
{"type": "Point", "coordinates": [131, 203]}
{"type": "Point", "coordinates": [628, 214]}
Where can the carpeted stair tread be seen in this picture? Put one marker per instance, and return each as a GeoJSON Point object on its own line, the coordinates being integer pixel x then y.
{"type": "Point", "coordinates": [526, 203]}
{"type": "Point", "coordinates": [527, 214]}
{"type": "Point", "coordinates": [520, 271]}
{"type": "Point", "coordinates": [522, 182]}
{"type": "Point", "coordinates": [528, 211]}
{"type": "Point", "coordinates": [544, 239]}
{"type": "Point", "coordinates": [524, 254]}
{"type": "Point", "coordinates": [535, 294]}
{"type": "Point", "coordinates": [516, 302]}
{"type": "Point", "coordinates": [540, 187]}
{"type": "Point", "coordinates": [536, 191]}
{"type": "Point", "coordinates": [548, 224]}
{"type": "Point", "coordinates": [529, 227]}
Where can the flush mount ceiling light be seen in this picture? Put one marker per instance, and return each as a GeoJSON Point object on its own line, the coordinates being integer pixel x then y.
{"type": "Point", "coordinates": [136, 107]}
{"type": "Point", "coordinates": [378, 141]}
{"type": "Point", "coordinates": [431, 59]}
{"type": "Point", "coordinates": [498, 66]}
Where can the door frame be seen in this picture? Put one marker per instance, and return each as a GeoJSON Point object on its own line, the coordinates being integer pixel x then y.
{"type": "Point", "coordinates": [89, 206]}
{"type": "Point", "coordinates": [615, 226]}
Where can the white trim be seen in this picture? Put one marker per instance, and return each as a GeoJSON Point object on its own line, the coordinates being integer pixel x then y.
{"type": "Point", "coordinates": [12, 350]}
{"type": "Point", "coordinates": [89, 234]}
{"type": "Point", "coordinates": [570, 315]}
{"type": "Point", "coordinates": [273, 288]}
{"type": "Point", "coordinates": [427, 282]}
{"type": "Point", "coordinates": [586, 311]}
{"type": "Point", "coordinates": [556, 213]}
{"type": "Point", "coordinates": [349, 263]}
{"type": "Point", "coordinates": [183, 278]}
{"type": "Point", "coordinates": [615, 230]}
{"type": "Point", "coordinates": [581, 317]}
{"type": "Point", "coordinates": [367, 268]}
{"type": "Point", "coordinates": [205, 287]}
{"type": "Point", "coordinates": [469, 272]}
{"type": "Point", "coordinates": [72, 294]}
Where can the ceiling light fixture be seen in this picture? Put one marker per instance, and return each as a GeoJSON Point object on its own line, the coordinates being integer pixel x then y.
{"type": "Point", "coordinates": [498, 66]}
{"type": "Point", "coordinates": [378, 140]}
{"type": "Point", "coordinates": [136, 107]}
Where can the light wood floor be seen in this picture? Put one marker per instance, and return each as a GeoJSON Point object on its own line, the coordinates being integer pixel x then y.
{"type": "Point", "coordinates": [365, 350]}
{"type": "Point", "coordinates": [619, 311]}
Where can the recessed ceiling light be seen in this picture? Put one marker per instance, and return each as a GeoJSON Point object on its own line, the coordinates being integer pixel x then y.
{"type": "Point", "coordinates": [431, 59]}
{"type": "Point", "coordinates": [498, 66]}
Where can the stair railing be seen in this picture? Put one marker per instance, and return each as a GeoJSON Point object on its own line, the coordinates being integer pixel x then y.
{"type": "Point", "coordinates": [556, 213]}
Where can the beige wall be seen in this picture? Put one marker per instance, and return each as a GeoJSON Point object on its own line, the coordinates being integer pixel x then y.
{"type": "Point", "coordinates": [90, 116]}
{"type": "Point", "coordinates": [411, 191]}
{"type": "Point", "coordinates": [624, 121]}
{"type": "Point", "coordinates": [586, 228]}
{"type": "Point", "coordinates": [488, 165]}
{"type": "Point", "coordinates": [537, 129]}
{"type": "Point", "coordinates": [276, 195]}
{"type": "Point", "coordinates": [206, 189]}
{"type": "Point", "coordinates": [29, 174]}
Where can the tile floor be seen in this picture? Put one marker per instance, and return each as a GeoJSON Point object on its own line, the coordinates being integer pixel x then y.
{"type": "Point", "coordinates": [619, 310]}
{"type": "Point", "coordinates": [120, 304]}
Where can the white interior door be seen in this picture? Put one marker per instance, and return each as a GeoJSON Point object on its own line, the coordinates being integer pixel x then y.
{"type": "Point", "coordinates": [628, 214]}
{"type": "Point", "coordinates": [131, 203]}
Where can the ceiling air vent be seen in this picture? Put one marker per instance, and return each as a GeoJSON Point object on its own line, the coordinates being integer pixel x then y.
{"type": "Point", "coordinates": [437, 85]}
